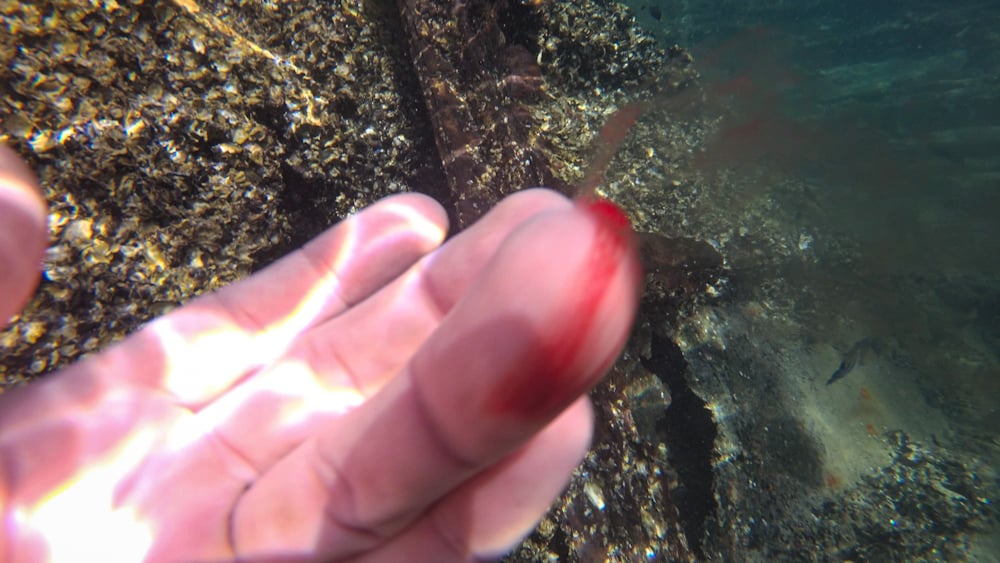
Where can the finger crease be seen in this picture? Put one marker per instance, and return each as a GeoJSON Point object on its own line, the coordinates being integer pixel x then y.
{"type": "Point", "coordinates": [328, 472]}
{"type": "Point", "coordinates": [437, 434]}
{"type": "Point", "coordinates": [451, 541]}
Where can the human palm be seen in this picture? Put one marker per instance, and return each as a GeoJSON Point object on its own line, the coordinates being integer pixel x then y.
{"type": "Point", "coordinates": [371, 396]}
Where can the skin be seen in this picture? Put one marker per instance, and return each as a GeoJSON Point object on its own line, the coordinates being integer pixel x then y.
{"type": "Point", "coordinates": [370, 397]}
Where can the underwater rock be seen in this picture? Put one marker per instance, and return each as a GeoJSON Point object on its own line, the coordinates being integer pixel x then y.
{"type": "Point", "coordinates": [681, 264]}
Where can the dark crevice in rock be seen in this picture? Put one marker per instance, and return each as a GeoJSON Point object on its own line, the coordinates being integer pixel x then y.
{"type": "Point", "coordinates": [427, 176]}
{"type": "Point", "coordinates": [306, 201]}
{"type": "Point", "coordinates": [689, 432]}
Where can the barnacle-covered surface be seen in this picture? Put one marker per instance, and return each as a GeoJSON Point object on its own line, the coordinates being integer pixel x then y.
{"type": "Point", "coordinates": [516, 90]}
{"type": "Point", "coordinates": [184, 144]}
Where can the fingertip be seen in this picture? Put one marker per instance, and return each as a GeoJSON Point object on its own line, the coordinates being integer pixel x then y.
{"type": "Point", "coordinates": [22, 232]}
{"type": "Point", "coordinates": [369, 249]}
{"type": "Point", "coordinates": [605, 212]}
{"type": "Point", "coordinates": [592, 299]}
{"type": "Point", "coordinates": [462, 260]}
{"type": "Point", "coordinates": [423, 212]}
{"type": "Point", "coordinates": [518, 208]}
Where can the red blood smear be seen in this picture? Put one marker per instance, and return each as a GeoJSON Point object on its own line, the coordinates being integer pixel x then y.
{"type": "Point", "coordinates": [618, 125]}
{"type": "Point", "coordinates": [607, 214]}
{"type": "Point", "coordinates": [608, 141]}
{"type": "Point", "coordinates": [547, 384]}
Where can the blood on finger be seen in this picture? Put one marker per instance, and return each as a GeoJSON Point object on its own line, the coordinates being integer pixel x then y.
{"type": "Point", "coordinates": [548, 380]}
{"type": "Point", "coordinates": [550, 377]}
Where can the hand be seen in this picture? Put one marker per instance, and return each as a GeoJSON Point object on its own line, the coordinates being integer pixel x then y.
{"type": "Point", "coordinates": [371, 396]}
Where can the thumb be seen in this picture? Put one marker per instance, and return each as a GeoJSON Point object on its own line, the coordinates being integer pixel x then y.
{"type": "Point", "coordinates": [22, 233]}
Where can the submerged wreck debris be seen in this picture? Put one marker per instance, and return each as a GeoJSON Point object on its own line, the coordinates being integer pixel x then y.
{"type": "Point", "coordinates": [478, 84]}
{"type": "Point", "coordinates": [516, 91]}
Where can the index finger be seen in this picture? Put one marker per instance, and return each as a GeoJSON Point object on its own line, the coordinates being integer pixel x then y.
{"type": "Point", "coordinates": [210, 344]}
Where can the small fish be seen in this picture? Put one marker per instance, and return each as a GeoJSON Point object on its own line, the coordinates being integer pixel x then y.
{"type": "Point", "coordinates": [853, 357]}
